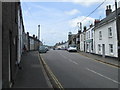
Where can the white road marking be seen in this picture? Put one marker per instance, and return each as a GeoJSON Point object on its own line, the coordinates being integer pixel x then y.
{"type": "Point", "coordinates": [103, 76]}
{"type": "Point", "coordinates": [75, 62]}
{"type": "Point", "coordinates": [69, 59]}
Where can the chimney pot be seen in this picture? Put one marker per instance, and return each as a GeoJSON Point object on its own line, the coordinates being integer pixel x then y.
{"type": "Point", "coordinates": [91, 25]}
{"type": "Point", "coordinates": [96, 21]}
{"type": "Point", "coordinates": [109, 6]}
{"type": "Point", "coordinates": [85, 28]}
{"type": "Point", "coordinates": [28, 33]}
{"type": "Point", "coordinates": [33, 35]}
{"type": "Point", "coordinates": [108, 10]}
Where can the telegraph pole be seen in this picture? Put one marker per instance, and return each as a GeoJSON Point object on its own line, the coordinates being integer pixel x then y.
{"type": "Point", "coordinates": [118, 31]}
{"type": "Point", "coordinates": [118, 36]}
{"type": "Point", "coordinates": [38, 32]}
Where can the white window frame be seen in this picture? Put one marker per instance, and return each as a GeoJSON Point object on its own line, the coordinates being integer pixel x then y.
{"type": "Point", "coordinates": [110, 36]}
{"type": "Point", "coordinates": [89, 35]}
{"type": "Point", "coordinates": [99, 47]}
{"type": "Point", "coordinates": [100, 35]}
{"type": "Point", "coordinates": [111, 49]}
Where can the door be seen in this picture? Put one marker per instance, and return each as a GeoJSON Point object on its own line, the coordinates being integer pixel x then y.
{"type": "Point", "coordinates": [103, 50]}
{"type": "Point", "coordinates": [10, 58]}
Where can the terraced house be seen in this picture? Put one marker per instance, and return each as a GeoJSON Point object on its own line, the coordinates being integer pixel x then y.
{"type": "Point", "coordinates": [106, 35]}
{"type": "Point", "coordinates": [14, 39]}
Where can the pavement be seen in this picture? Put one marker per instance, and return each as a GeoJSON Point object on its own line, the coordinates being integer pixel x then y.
{"type": "Point", "coordinates": [107, 60]}
{"type": "Point", "coordinates": [31, 75]}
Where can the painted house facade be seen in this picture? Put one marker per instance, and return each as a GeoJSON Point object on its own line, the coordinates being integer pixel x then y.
{"type": "Point", "coordinates": [106, 35]}
{"type": "Point", "coordinates": [62, 45]}
{"type": "Point", "coordinates": [9, 42]}
{"type": "Point", "coordinates": [14, 39]}
{"type": "Point", "coordinates": [82, 41]}
{"type": "Point", "coordinates": [34, 43]}
{"type": "Point", "coordinates": [0, 45]}
{"type": "Point", "coordinates": [21, 32]}
{"type": "Point", "coordinates": [89, 42]}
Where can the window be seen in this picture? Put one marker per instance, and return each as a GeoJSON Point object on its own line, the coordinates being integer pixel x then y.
{"type": "Point", "coordinates": [89, 34]}
{"type": "Point", "coordinates": [111, 48]}
{"type": "Point", "coordinates": [99, 47]}
{"type": "Point", "coordinates": [109, 32]}
{"type": "Point", "coordinates": [81, 37]}
{"type": "Point", "coordinates": [100, 35]}
{"type": "Point", "coordinates": [92, 34]}
{"type": "Point", "coordinates": [86, 35]}
{"type": "Point", "coordinates": [92, 46]}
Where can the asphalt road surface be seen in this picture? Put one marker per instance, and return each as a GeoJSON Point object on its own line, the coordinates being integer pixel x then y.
{"type": "Point", "coordinates": [76, 71]}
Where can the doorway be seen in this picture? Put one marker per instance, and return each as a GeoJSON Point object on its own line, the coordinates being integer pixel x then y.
{"type": "Point", "coordinates": [10, 58]}
{"type": "Point", "coordinates": [103, 50]}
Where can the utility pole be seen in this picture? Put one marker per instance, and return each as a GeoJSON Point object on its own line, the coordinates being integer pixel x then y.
{"type": "Point", "coordinates": [78, 37]}
{"type": "Point", "coordinates": [38, 32]}
{"type": "Point", "coordinates": [118, 30]}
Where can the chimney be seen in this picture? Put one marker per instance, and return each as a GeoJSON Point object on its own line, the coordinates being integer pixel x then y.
{"type": "Point", "coordinates": [33, 36]}
{"type": "Point", "coordinates": [96, 21]}
{"type": "Point", "coordinates": [85, 28]}
{"type": "Point", "coordinates": [28, 33]}
{"type": "Point", "coordinates": [70, 33]}
{"type": "Point", "coordinates": [91, 25]}
{"type": "Point", "coordinates": [108, 10]}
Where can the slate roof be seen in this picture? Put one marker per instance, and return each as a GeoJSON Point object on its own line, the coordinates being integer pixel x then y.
{"type": "Point", "coordinates": [111, 16]}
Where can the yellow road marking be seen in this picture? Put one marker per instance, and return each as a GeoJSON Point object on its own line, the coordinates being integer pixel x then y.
{"type": "Point", "coordinates": [51, 73]}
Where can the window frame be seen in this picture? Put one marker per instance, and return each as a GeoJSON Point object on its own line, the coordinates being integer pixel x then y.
{"type": "Point", "coordinates": [111, 48]}
{"type": "Point", "coordinates": [100, 35]}
{"type": "Point", "coordinates": [99, 47]}
{"type": "Point", "coordinates": [110, 36]}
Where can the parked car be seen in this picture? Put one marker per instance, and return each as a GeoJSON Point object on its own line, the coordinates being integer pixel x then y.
{"type": "Point", "coordinates": [42, 49]}
{"type": "Point", "coordinates": [47, 48]}
{"type": "Point", "coordinates": [72, 49]}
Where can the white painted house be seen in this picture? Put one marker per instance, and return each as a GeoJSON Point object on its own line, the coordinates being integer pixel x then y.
{"type": "Point", "coordinates": [106, 35]}
{"type": "Point", "coordinates": [62, 45]}
{"type": "Point", "coordinates": [20, 34]}
{"type": "Point", "coordinates": [89, 41]}
{"type": "Point", "coordinates": [82, 41]}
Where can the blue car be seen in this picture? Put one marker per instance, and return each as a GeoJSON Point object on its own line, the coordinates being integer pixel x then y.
{"type": "Point", "coordinates": [42, 49]}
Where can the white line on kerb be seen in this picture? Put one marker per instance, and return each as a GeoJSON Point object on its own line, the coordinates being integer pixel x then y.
{"type": "Point", "coordinates": [103, 76]}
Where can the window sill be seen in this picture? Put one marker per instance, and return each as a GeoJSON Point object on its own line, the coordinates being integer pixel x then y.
{"type": "Point", "coordinates": [110, 36]}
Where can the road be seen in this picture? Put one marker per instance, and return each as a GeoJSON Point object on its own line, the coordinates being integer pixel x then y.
{"type": "Point", "coordinates": [76, 71]}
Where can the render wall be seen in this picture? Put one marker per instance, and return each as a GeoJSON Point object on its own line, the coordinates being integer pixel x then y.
{"type": "Point", "coordinates": [106, 40]}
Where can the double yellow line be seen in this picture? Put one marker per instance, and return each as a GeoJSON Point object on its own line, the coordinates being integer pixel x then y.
{"type": "Point", "coordinates": [51, 75]}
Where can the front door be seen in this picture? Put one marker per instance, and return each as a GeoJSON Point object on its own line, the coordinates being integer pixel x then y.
{"type": "Point", "coordinates": [9, 62]}
{"type": "Point", "coordinates": [103, 50]}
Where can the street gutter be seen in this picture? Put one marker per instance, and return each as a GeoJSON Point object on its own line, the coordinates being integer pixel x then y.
{"type": "Point", "coordinates": [118, 66]}
{"type": "Point", "coordinates": [54, 81]}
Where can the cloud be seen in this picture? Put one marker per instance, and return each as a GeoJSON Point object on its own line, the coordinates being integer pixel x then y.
{"type": "Point", "coordinates": [72, 12]}
{"type": "Point", "coordinates": [81, 2]}
{"type": "Point", "coordinates": [86, 22]}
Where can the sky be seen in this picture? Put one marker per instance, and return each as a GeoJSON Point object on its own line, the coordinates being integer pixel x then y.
{"type": "Point", "coordinates": [58, 18]}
